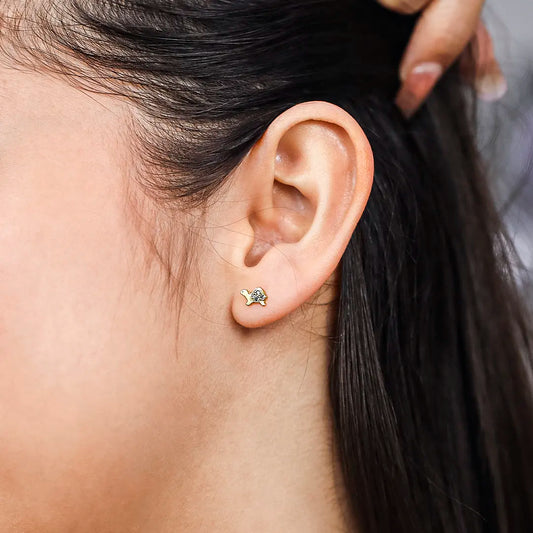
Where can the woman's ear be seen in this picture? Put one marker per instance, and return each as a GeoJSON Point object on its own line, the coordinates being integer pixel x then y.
{"type": "Point", "coordinates": [295, 201]}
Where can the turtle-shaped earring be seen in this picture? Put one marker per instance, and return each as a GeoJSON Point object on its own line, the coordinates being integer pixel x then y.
{"type": "Point", "coordinates": [257, 296]}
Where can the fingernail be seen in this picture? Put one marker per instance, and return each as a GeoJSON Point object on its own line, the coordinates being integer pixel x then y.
{"type": "Point", "coordinates": [491, 86]}
{"type": "Point", "coordinates": [416, 87]}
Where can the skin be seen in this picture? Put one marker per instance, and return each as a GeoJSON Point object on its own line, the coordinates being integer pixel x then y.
{"type": "Point", "coordinates": [125, 408]}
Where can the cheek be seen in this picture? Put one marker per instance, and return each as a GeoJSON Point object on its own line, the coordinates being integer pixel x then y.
{"type": "Point", "coordinates": [85, 376]}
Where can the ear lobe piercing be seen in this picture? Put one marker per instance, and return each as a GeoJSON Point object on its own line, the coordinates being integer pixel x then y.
{"type": "Point", "coordinates": [257, 296]}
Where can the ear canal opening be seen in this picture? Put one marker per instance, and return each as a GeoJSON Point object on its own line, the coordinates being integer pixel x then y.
{"type": "Point", "coordinates": [287, 220]}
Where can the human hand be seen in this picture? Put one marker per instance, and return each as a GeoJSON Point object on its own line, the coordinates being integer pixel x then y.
{"type": "Point", "coordinates": [442, 33]}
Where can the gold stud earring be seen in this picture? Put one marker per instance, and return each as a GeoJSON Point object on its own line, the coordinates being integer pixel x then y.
{"type": "Point", "coordinates": [257, 296]}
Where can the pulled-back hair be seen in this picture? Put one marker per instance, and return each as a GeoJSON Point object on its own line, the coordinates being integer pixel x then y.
{"type": "Point", "coordinates": [430, 376]}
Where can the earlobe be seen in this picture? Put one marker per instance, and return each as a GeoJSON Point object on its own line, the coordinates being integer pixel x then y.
{"type": "Point", "coordinates": [306, 183]}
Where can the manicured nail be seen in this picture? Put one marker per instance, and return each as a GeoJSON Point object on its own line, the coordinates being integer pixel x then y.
{"type": "Point", "coordinates": [491, 86]}
{"type": "Point", "coordinates": [416, 87]}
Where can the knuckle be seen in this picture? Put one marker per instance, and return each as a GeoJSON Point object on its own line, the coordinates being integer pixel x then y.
{"type": "Point", "coordinates": [447, 48]}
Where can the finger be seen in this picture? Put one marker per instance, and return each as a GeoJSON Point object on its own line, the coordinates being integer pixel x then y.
{"type": "Point", "coordinates": [489, 81]}
{"type": "Point", "coordinates": [441, 34]}
{"type": "Point", "coordinates": [405, 6]}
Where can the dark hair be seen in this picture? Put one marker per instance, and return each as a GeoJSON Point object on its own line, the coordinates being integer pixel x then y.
{"type": "Point", "coordinates": [430, 377]}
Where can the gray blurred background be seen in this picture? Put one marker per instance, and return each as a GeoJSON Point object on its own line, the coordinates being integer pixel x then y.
{"type": "Point", "coordinates": [506, 128]}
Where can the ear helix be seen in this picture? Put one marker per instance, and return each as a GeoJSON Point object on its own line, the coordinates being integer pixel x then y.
{"type": "Point", "coordinates": [257, 296]}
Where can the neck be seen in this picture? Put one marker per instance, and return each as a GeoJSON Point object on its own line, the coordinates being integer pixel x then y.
{"type": "Point", "coordinates": [262, 457]}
